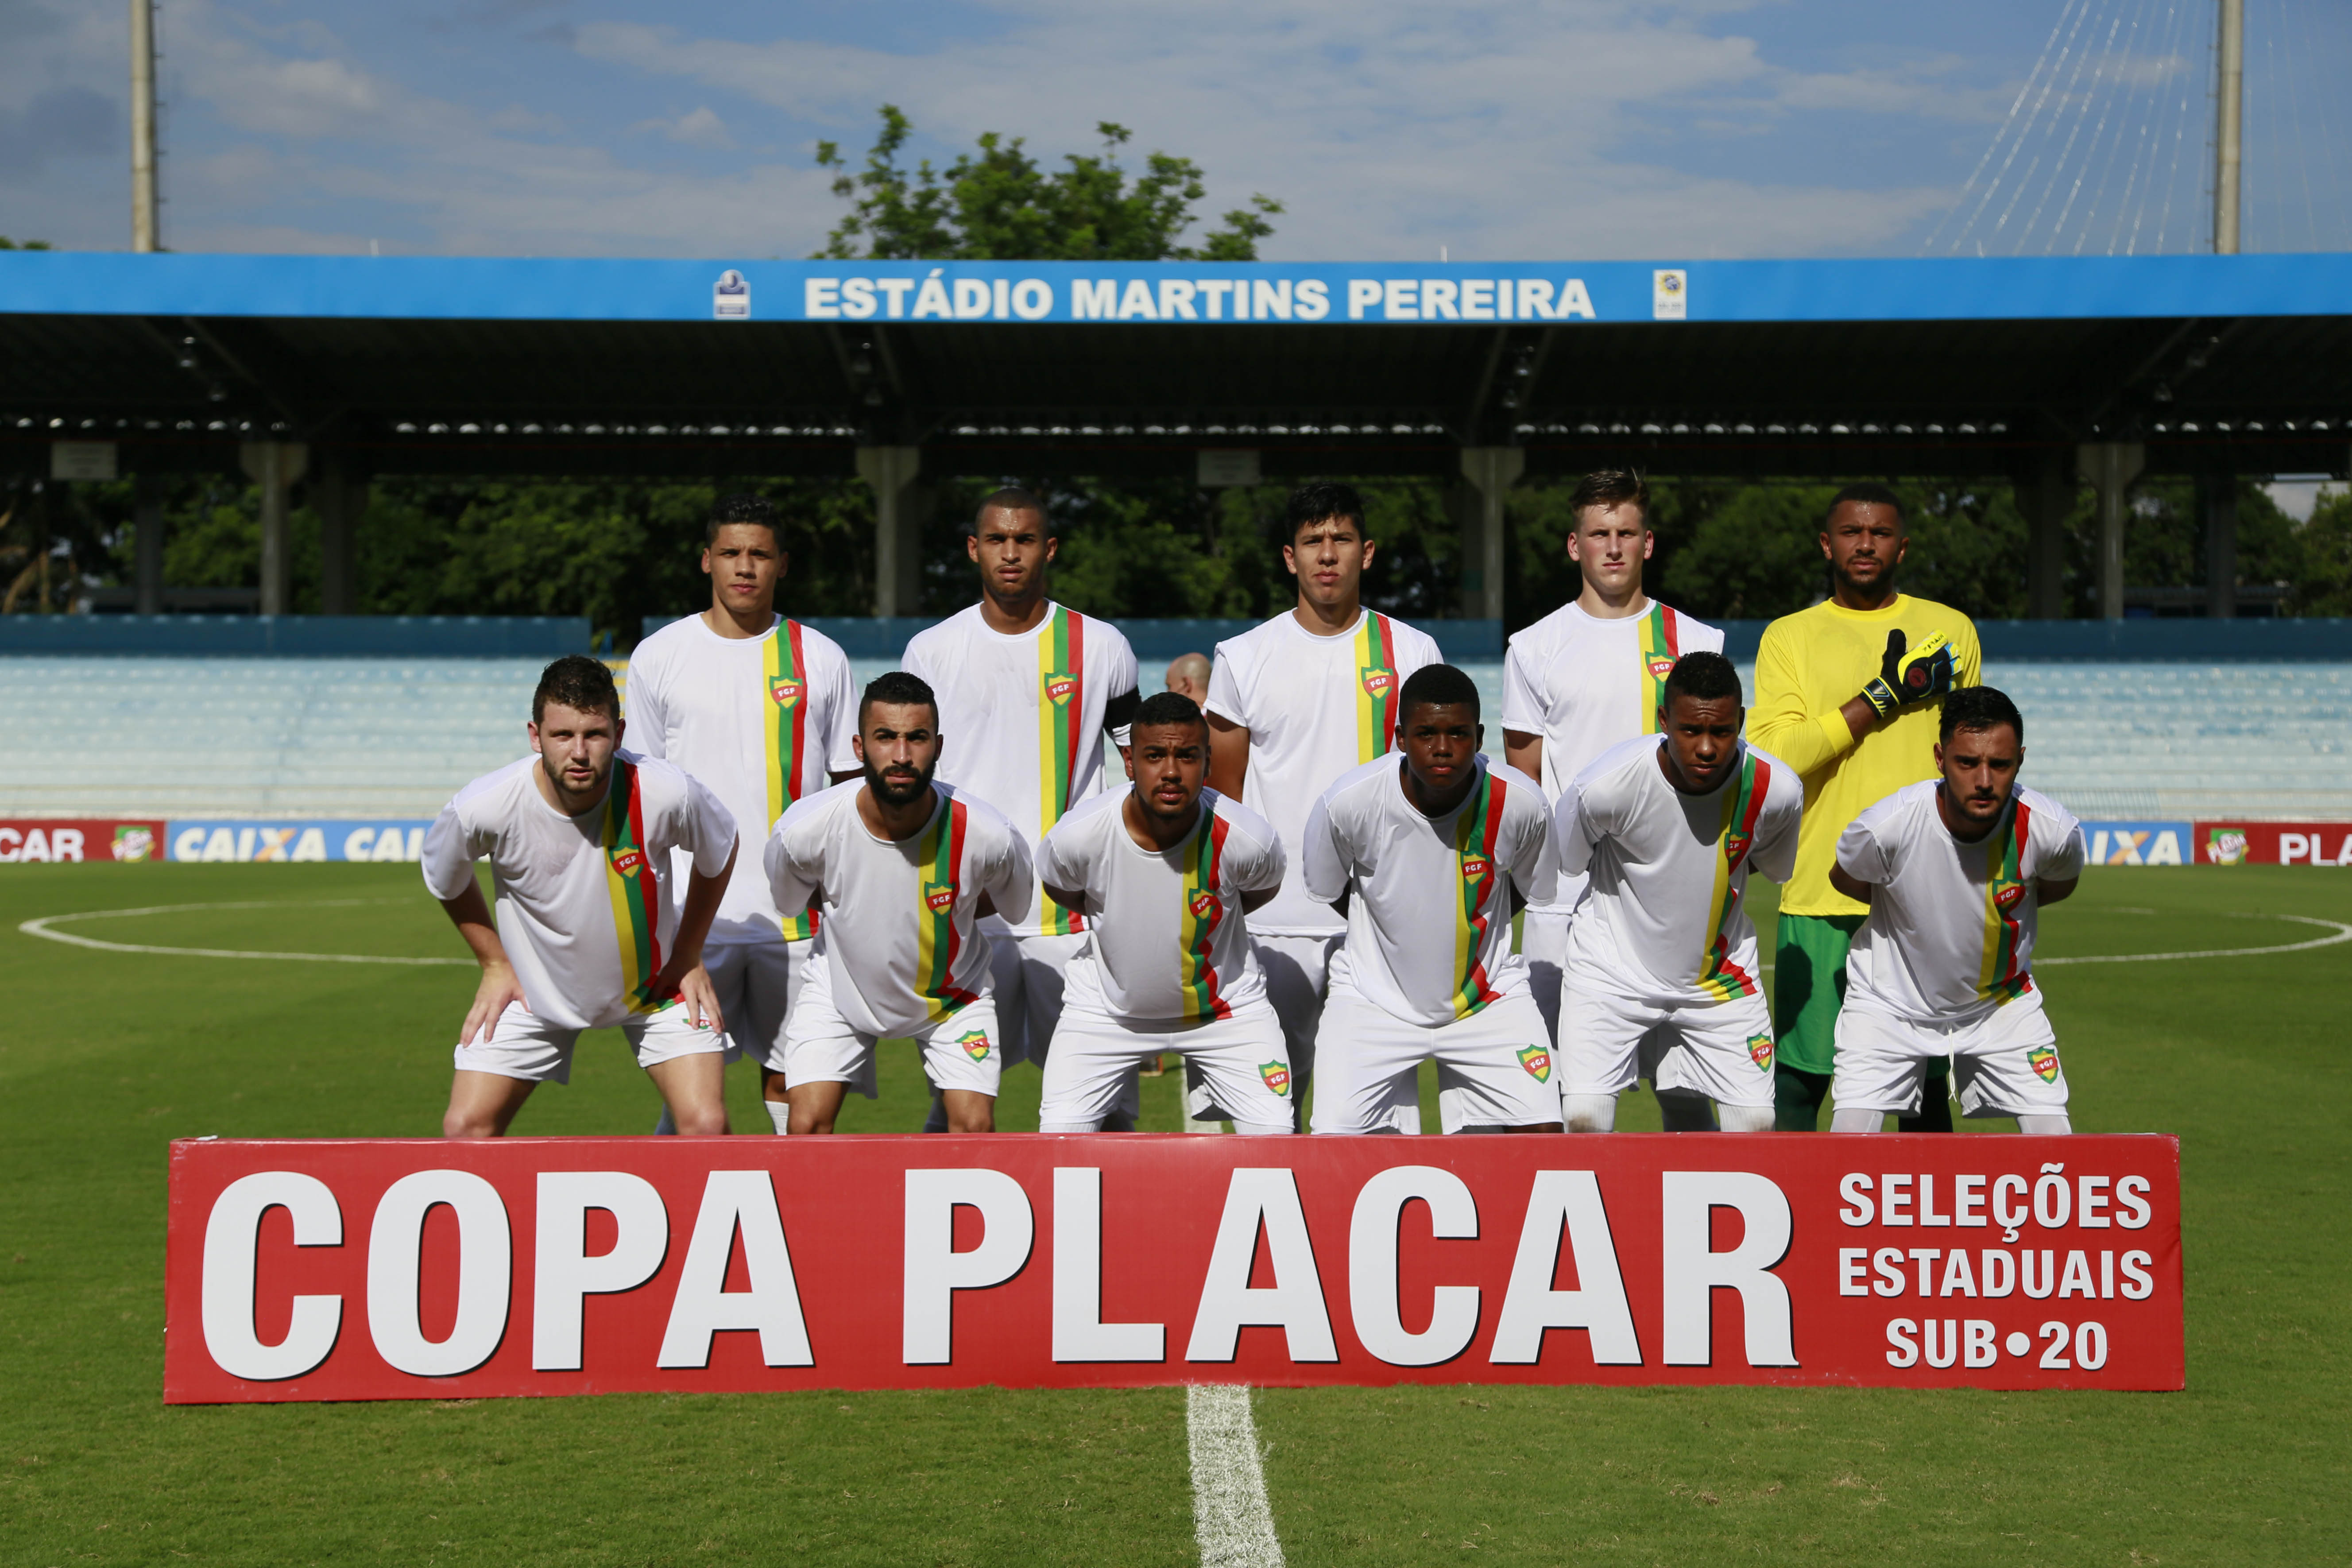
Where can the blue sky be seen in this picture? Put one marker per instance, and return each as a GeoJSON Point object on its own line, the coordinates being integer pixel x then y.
{"type": "Point", "coordinates": [1390, 128]}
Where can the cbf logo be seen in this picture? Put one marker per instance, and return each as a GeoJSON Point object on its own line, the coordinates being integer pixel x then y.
{"type": "Point", "coordinates": [939, 897]}
{"type": "Point", "coordinates": [2044, 1062]}
{"type": "Point", "coordinates": [1537, 1061]}
{"type": "Point", "coordinates": [629, 862]}
{"type": "Point", "coordinates": [785, 691]}
{"type": "Point", "coordinates": [1060, 689]}
{"type": "Point", "coordinates": [1204, 905]}
{"type": "Point", "coordinates": [976, 1045]}
{"type": "Point", "coordinates": [1276, 1076]}
{"type": "Point", "coordinates": [731, 297]}
{"type": "Point", "coordinates": [1376, 684]}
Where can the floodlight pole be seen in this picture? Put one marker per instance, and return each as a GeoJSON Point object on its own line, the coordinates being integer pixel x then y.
{"type": "Point", "coordinates": [2229, 109]}
{"type": "Point", "coordinates": [143, 125]}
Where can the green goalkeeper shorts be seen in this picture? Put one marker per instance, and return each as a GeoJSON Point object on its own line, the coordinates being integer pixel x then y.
{"type": "Point", "coordinates": [1808, 987]}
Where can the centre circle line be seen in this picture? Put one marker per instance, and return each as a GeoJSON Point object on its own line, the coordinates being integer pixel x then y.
{"type": "Point", "coordinates": [42, 928]}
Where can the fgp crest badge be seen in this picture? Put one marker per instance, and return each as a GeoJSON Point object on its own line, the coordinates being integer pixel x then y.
{"type": "Point", "coordinates": [1060, 689]}
{"type": "Point", "coordinates": [2044, 1060]}
{"type": "Point", "coordinates": [785, 691]}
{"type": "Point", "coordinates": [975, 1044]}
{"type": "Point", "coordinates": [938, 897]}
{"type": "Point", "coordinates": [1760, 1051]}
{"type": "Point", "coordinates": [1537, 1061]}
{"type": "Point", "coordinates": [1376, 684]}
{"type": "Point", "coordinates": [1276, 1076]}
{"type": "Point", "coordinates": [629, 862]}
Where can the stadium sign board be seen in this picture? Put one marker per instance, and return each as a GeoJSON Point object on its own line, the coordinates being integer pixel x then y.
{"type": "Point", "coordinates": [2139, 843]}
{"type": "Point", "coordinates": [31, 841]}
{"type": "Point", "coordinates": [240, 840]}
{"type": "Point", "coordinates": [2274, 842]}
{"type": "Point", "coordinates": [411, 1268]}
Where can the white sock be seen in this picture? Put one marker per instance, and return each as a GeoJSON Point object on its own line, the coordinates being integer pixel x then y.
{"type": "Point", "coordinates": [1843, 1121]}
{"type": "Point", "coordinates": [1745, 1118]}
{"type": "Point", "coordinates": [2045, 1126]}
{"type": "Point", "coordinates": [780, 1111]}
{"type": "Point", "coordinates": [668, 1126]}
{"type": "Point", "coordinates": [1590, 1112]}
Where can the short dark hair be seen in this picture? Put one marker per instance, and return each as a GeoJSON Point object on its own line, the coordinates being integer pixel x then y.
{"type": "Point", "coordinates": [1703, 677]}
{"type": "Point", "coordinates": [899, 689]}
{"type": "Point", "coordinates": [1980, 708]}
{"type": "Point", "coordinates": [1315, 502]}
{"type": "Point", "coordinates": [750, 510]}
{"type": "Point", "coordinates": [1610, 487]}
{"type": "Point", "coordinates": [1439, 686]}
{"type": "Point", "coordinates": [575, 681]}
{"type": "Point", "coordinates": [1013, 497]}
{"type": "Point", "coordinates": [1169, 707]}
{"type": "Point", "coordinates": [1866, 494]}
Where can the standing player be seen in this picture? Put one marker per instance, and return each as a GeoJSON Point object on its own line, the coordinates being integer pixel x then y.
{"type": "Point", "coordinates": [1847, 691]}
{"type": "Point", "coordinates": [1428, 855]}
{"type": "Point", "coordinates": [1585, 677]}
{"type": "Point", "coordinates": [761, 710]}
{"type": "Point", "coordinates": [1027, 687]}
{"type": "Point", "coordinates": [1294, 704]}
{"type": "Point", "coordinates": [1955, 871]}
{"type": "Point", "coordinates": [1662, 953]}
{"type": "Point", "coordinates": [1164, 867]}
{"type": "Point", "coordinates": [906, 870]}
{"type": "Point", "coordinates": [587, 936]}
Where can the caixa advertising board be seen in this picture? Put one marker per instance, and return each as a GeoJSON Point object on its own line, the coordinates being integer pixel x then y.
{"type": "Point", "coordinates": [239, 840]}
{"type": "Point", "coordinates": [404, 1268]}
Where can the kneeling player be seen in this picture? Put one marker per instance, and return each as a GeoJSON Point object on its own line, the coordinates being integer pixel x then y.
{"type": "Point", "coordinates": [1165, 867]}
{"type": "Point", "coordinates": [904, 868]}
{"type": "Point", "coordinates": [1955, 871]}
{"type": "Point", "coordinates": [1428, 855]}
{"type": "Point", "coordinates": [586, 935]}
{"type": "Point", "coordinates": [1661, 948]}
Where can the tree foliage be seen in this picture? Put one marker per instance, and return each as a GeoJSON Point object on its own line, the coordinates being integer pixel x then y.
{"type": "Point", "coordinates": [999, 204]}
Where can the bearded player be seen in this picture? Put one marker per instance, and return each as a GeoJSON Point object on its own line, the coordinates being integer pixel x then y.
{"type": "Point", "coordinates": [906, 870]}
{"type": "Point", "coordinates": [1847, 691]}
{"type": "Point", "coordinates": [1954, 871]}
{"type": "Point", "coordinates": [1427, 855]}
{"type": "Point", "coordinates": [587, 935]}
{"type": "Point", "coordinates": [1660, 954]}
{"type": "Point", "coordinates": [1028, 688]}
{"type": "Point", "coordinates": [1294, 704]}
{"type": "Point", "coordinates": [1165, 868]}
{"type": "Point", "coordinates": [761, 710]}
{"type": "Point", "coordinates": [1584, 678]}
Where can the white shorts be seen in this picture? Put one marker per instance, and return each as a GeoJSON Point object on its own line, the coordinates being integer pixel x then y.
{"type": "Point", "coordinates": [755, 981]}
{"type": "Point", "coordinates": [1298, 970]}
{"type": "Point", "coordinates": [1608, 1040]}
{"type": "Point", "coordinates": [1239, 1060]}
{"type": "Point", "coordinates": [525, 1045]}
{"type": "Point", "coordinates": [2004, 1063]}
{"type": "Point", "coordinates": [1026, 975]}
{"type": "Point", "coordinates": [958, 1052]}
{"type": "Point", "coordinates": [1498, 1059]}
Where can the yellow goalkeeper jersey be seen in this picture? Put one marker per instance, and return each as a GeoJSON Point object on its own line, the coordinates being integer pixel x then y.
{"type": "Point", "coordinates": [1809, 666]}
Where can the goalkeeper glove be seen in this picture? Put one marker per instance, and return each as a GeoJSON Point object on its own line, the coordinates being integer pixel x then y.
{"type": "Point", "coordinates": [1910, 675]}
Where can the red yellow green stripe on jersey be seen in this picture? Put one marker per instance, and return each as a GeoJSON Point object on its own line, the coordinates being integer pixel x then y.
{"type": "Point", "coordinates": [636, 891]}
{"type": "Point", "coordinates": [1743, 802]}
{"type": "Point", "coordinates": [1204, 913]}
{"type": "Point", "coordinates": [1376, 685]}
{"type": "Point", "coordinates": [1061, 727]}
{"type": "Point", "coordinates": [941, 858]}
{"type": "Point", "coordinates": [2002, 978]}
{"type": "Point", "coordinates": [784, 690]}
{"type": "Point", "coordinates": [1662, 644]}
{"type": "Point", "coordinates": [1481, 893]}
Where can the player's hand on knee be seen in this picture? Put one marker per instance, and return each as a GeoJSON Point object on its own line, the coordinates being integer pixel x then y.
{"type": "Point", "coordinates": [701, 1002]}
{"type": "Point", "coordinates": [498, 988]}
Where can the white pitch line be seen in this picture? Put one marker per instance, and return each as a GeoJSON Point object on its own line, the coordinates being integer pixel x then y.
{"type": "Point", "coordinates": [40, 928]}
{"type": "Point", "coordinates": [1230, 1514]}
{"type": "Point", "coordinates": [2343, 934]}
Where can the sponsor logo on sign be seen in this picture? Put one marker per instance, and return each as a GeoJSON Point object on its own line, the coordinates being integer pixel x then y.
{"type": "Point", "coordinates": [939, 896]}
{"type": "Point", "coordinates": [1378, 681]}
{"type": "Point", "coordinates": [1205, 906]}
{"type": "Point", "coordinates": [1276, 1076]}
{"type": "Point", "coordinates": [1661, 666]}
{"type": "Point", "coordinates": [2005, 897]}
{"type": "Point", "coordinates": [1537, 1061]}
{"type": "Point", "coordinates": [2226, 846]}
{"type": "Point", "coordinates": [2044, 1062]}
{"type": "Point", "coordinates": [1474, 867]}
{"type": "Point", "coordinates": [784, 692]}
{"type": "Point", "coordinates": [134, 841]}
{"type": "Point", "coordinates": [1669, 294]}
{"type": "Point", "coordinates": [1760, 1051]}
{"type": "Point", "coordinates": [731, 297]}
{"type": "Point", "coordinates": [1060, 689]}
{"type": "Point", "coordinates": [629, 862]}
{"type": "Point", "coordinates": [976, 1045]}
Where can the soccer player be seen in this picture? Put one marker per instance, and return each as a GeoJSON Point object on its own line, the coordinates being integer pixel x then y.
{"type": "Point", "coordinates": [1188, 677]}
{"type": "Point", "coordinates": [1294, 703]}
{"type": "Point", "coordinates": [1428, 855]}
{"type": "Point", "coordinates": [1667, 827]}
{"type": "Point", "coordinates": [761, 710]}
{"type": "Point", "coordinates": [1584, 678]}
{"type": "Point", "coordinates": [906, 870]}
{"type": "Point", "coordinates": [1847, 691]}
{"type": "Point", "coordinates": [1164, 867]}
{"type": "Point", "coordinates": [588, 935]}
{"type": "Point", "coordinates": [1028, 689]}
{"type": "Point", "coordinates": [1954, 871]}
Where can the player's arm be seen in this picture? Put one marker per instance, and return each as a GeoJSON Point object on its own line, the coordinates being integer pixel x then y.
{"type": "Point", "coordinates": [1327, 867]}
{"type": "Point", "coordinates": [1524, 752]}
{"type": "Point", "coordinates": [1523, 745]}
{"type": "Point", "coordinates": [1007, 885]}
{"type": "Point", "coordinates": [1860, 866]}
{"type": "Point", "coordinates": [1845, 882]}
{"type": "Point", "coordinates": [448, 866]}
{"type": "Point", "coordinates": [683, 971]}
{"type": "Point", "coordinates": [1229, 746]}
{"type": "Point", "coordinates": [2062, 870]}
{"type": "Point", "coordinates": [2049, 891]}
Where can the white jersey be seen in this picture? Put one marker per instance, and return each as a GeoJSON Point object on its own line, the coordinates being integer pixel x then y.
{"type": "Point", "coordinates": [1583, 685]}
{"type": "Point", "coordinates": [1022, 721]}
{"type": "Point", "coordinates": [1315, 707]}
{"type": "Point", "coordinates": [899, 936]}
{"type": "Point", "coordinates": [1952, 925]}
{"type": "Point", "coordinates": [1429, 922]}
{"type": "Point", "coordinates": [1664, 914]}
{"type": "Point", "coordinates": [584, 911]}
{"type": "Point", "coordinates": [1143, 905]}
{"type": "Point", "coordinates": [763, 722]}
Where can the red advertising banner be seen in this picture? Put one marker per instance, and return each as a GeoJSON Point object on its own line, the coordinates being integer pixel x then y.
{"type": "Point", "coordinates": [27, 841]}
{"type": "Point", "coordinates": [402, 1269]}
{"type": "Point", "coordinates": [2274, 842]}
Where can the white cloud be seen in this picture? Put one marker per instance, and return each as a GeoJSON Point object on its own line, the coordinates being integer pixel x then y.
{"type": "Point", "coordinates": [698, 128]}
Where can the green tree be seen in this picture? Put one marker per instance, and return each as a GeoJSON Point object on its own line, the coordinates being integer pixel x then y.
{"type": "Point", "coordinates": [8, 244]}
{"type": "Point", "coordinates": [998, 204]}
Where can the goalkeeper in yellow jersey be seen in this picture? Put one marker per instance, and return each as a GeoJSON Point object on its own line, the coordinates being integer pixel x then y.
{"type": "Point", "coordinates": [1848, 693]}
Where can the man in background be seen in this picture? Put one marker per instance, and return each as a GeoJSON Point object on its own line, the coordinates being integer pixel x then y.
{"type": "Point", "coordinates": [1188, 677]}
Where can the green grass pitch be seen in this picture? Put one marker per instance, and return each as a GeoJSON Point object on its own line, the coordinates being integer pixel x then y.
{"type": "Point", "coordinates": [107, 1055]}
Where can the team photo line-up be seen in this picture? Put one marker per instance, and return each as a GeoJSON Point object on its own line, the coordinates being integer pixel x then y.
{"type": "Point", "coordinates": [1313, 874]}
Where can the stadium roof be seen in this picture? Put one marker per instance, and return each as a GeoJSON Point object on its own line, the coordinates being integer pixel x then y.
{"type": "Point", "coordinates": [691, 368]}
